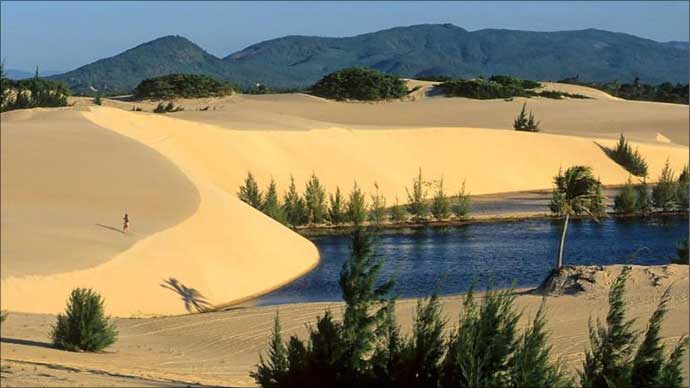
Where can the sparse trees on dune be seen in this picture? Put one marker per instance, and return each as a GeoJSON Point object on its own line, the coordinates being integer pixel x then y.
{"type": "Point", "coordinates": [83, 326]}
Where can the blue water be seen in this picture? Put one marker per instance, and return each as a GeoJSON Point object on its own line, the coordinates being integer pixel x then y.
{"type": "Point", "coordinates": [522, 252]}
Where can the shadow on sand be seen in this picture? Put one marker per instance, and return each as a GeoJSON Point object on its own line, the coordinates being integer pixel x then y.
{"type": "Point", "coordinates": [18, 341]}
{"type": "Point", "coordinates": [191, 297]}
{"type": "Point", "coordinates": [111, 228]}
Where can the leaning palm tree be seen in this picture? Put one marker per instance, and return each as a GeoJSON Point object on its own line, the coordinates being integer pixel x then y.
{"type": "Point", "coordinates": [575, 192]}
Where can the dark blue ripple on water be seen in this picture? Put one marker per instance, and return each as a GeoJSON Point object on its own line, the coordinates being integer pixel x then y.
{"type": "Point", "coordinates": [520, 253]}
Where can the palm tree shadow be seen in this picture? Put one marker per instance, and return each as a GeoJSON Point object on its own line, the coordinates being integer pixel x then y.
{"type": "Point", "coordinates": [111, 228]}
{"type": "Point", "coordinates": [191, 297]}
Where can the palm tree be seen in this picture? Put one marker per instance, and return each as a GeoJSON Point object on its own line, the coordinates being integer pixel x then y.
{"type": "Point", "coordinates": [576, 191]}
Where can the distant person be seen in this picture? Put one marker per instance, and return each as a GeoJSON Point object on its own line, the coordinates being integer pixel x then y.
{"type": "Point", "coordinates": [125, 226]}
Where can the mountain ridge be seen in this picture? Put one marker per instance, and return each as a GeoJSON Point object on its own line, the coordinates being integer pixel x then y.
{"type": "Point", "coordinates": [411, 51]}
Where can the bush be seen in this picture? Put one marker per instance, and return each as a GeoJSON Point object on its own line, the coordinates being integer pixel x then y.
{"type": "Point", "coordinates": [167, 108]}
{"type": "Point", "coordinates": [440, 204]}
{"type": "Point", "coordinates": [682, 190]}
{"type": "Point", "coordinates": [626, 201]}
{"type": "Point", "coordinates": [97, 100]}
{"type": "Point", "coordinates": [525, 123]}
{"type": "Point", "coordinates": [356, 206]}
{"type": "Point", "coordinates": [481, 89]}
{"type": "Point", "coordinates": [180, 86]}
{"type": "Point", "coordinates": [644, 201]}
{"type": "Point", "coordinates": [249, 192]}
{"type": "Point", "coordinates": [83, 326]}
{"type": "Point", "coordinates": [681, 252]}
{"type": "Point", "coordinates": [417, 206]}
{"type": "Point", "coordinates": [664, 193]}
{"type": "Point", "coordinates": [3, 316]}
{"type": "Point", "coordinates": [377, 210]}
{"type": "Point", "coordinates": [398, 213]}
{"type": "Point", "coordinates": [611, 360]}
{"type": "Point", "coordinates": [315, 200]}
{"type": "Point", "coordinates": [31, 93]}
{"type": "Point", "coordinates": [624, 155]}
{"type": "Point", "coordinates": [294, 207]}
{"type": "Point", "coordinates": [358, 83]}
{"type": "Point", "coordinates": [507, 80]}
{"type": "Point", "coordinates": [463, 203]}
{"type": "Point", "coordinates": [336, 209]}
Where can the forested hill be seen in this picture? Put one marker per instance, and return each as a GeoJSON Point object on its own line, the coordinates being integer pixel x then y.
{"type": "Point", "coordinates": [414, 51]}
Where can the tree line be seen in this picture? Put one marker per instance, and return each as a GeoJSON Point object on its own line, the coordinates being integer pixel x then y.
{"type": "Point", "coordinates": [669, 194]}
{"type": "Point", "coordinates": [315, 207]}
{"type": "Point", "coordinates": [485, 348]}
{"type": "Point", "coordinates": [663, 92]}
{"type": "Point", "coordinates": [31, 93]}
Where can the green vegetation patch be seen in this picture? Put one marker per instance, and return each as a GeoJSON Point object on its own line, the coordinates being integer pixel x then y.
{"type": "Point", "coordinates": [181, 86]}
{"type": "Point", "coordinates": [359, 83]}
{"type": "Point", "coordinates": [499, 86]}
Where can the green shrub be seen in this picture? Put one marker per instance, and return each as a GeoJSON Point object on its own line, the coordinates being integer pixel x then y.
{"type": "Point", "coordinates": [167, 108]}
{"type": "Point", "coordinates": [416, 199]}
{"type": "Point", "coordinates": [336, 209]}
{"type": "Point", "coordinates": [682, 188]}
{"type": "Point", "coordinates": [463, 203]}
{"type": "Point", "coordinates": [398, 213]}
{"type": "Point", "coordinates": [525, 123]}
{"type": "Point", "coordinates": [84, 325]}
{"type": "Point", "coordinates": [181, 86]}
{"type": "Point", "coordinates": [644, 201]}
{"type": "Point", "coordinates": [356, 206]}
{"type": "Point", "coordinates": [358, 83]}
{"type": "Point", "coordinates": [97, 100]}
{"type": "Point", "coordinates": [507, 80]}
{"type": "Point", "coordinates": [294, 207]}
{"type": "Point", "coordinates": [249, 192]}
{"type": "Point", "coordinates": [3, 316]}
{"type": "Point", "coordinates": [481, 89]}
{"type": "Point", "coordinates": [31, 93]}
{"type": "Point", "coordinates": [377, 210]}
{"type": "Point", "coordinates": [624, 155]}
{"type": "Point", "coordinates": [664, 193]}
{"type": "Point", "coordinates": [612, 361]}
{"type": "Point", "coordinates": [440, 204]}
{"type": "Point", "coordinates": [315, 200]}
{"type": "Point", "coordinates": [626, 201]}
{"type": "Point", "coordinates": [271, 204]}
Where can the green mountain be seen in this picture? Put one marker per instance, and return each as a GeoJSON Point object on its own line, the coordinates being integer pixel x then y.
{"type": "Point", "coordinates": [421, 50]}
{"type": "Point", "coordinates": [123, 72]}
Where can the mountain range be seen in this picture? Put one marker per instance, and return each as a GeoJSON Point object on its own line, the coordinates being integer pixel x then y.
{"type": "Point", "coordinates": [413, 51]}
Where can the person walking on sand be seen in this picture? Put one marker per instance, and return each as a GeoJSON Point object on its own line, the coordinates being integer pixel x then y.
{"type": "Point", "coordinates": [125, 226]}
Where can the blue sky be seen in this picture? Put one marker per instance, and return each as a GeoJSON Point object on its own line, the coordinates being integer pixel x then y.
{"type": "Point", "coordinates": [66, 35]}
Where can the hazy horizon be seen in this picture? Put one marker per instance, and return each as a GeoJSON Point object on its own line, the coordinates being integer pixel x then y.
{"type": "Point", "coordinates": [221, 28]}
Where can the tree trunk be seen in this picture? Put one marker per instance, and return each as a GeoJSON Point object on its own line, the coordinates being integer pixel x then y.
{"type": "Point", "coordinates": [559, 263]}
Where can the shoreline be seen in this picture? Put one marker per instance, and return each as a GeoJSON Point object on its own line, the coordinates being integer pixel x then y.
{"type": "Point", "coordinates": [340, 230]}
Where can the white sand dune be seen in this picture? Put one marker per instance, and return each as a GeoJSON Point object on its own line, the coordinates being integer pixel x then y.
{"type": "Point", "coordinates": [178, 174]}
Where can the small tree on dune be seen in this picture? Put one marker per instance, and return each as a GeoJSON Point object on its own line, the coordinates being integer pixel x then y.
{"type": "Point", "coordinates": [644, 201]}
{"type": "Point", "coordinates": [575, 192]}
{"type": "Point", "coordinates": [626, 201]}
{"type": "Point", "coordinates": [398, 212]}
{"type": "Point", "coordinates": [315, 199]}
{"type": "Point", "coordinates": [250, 193]}
{"type": "Point", "coordinates": [524, 122]}
{"type": "Point", "coordinates": [336, 209]}
{"type": "Point", "coordinates": [83, 326]}
{"type": "Point", "coordinates": [272, 372]}
{"type": "Point", "coordinates": [664, 193]}
{"type": "Point", "coordinates": [293, 206]}
{"type": "Point", "coordinates": [624, 155]}
{"type": "Point", "coordinates": [417, 206]}
{"type": "Point", "coordinates": [356, 206]}
{"type": "Point", "coordinates": [682, 189]}
{"type": "Point", "coordinates": [377, 211]}
{"type": "Point", "coordinates": [271, 204]}
{"type": "Point", "coordinates": [440, 204]}
{"type": "Point", "coordinates": [463, 203]}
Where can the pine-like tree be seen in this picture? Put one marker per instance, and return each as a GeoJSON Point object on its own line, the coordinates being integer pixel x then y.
{"type": "Point", "coordinates": [272, 372]}
{"type": "Point", "coordinates": [440, 204]}
{"type": "Point", "coordinates": [293, 206]}
{"type": "Point", "coordinates": [531, 365]}
{"type": "Point", "coordinates": [398, 212]}
{"type": "Point", "coordinates": [249, 192]}
{"type": "Point", "coordinates": [664, 193]}
{"type": "Point", "coordinates": [388, 367]}
{"type": "Point", "coordinates": [417, 205]}
{"type": "Point", "coordinates": [315, 199]}
{"type": "Point", "coordinates": [526, 123]}
{"type": "Point", "coordinates": [671, 374]}
{"type": "Point", "coordinates": [336, 209]}
{"type": "Point", "coordinates": [463, 203]}
{"type": "Point", "coordinates": [608, 362]}
{"type": "Point", "coordinates": [626, 201]}
{"type": "Point", "coordinates": [682, 188]}
{"type": "Point", "coordinates": [377, 211]}
{"type": "Point", "coordinates": [649, 359]}
{"type": "Point", "coordinates": [364, 301]}
{"type": "Point", "coordinates": [356, 206]}
{"type": "Point", "coordinates": [624, 155]}
{"type": "Point", "coordinates": [83, 326]}
{"type": "Point", "coordinates": [271, 205]}
{"type": "Point", "coordinates": [643, 204]}
{"type": "Point", "coordinates": [427, 344]}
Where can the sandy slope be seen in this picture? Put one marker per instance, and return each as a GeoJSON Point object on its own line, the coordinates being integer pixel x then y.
{"type": "Point", "coordinates": [210, 243]}
{"type": "Point", "coordinates": [221, 348]}
{"type": "Point", "coordinates": [226, 250]}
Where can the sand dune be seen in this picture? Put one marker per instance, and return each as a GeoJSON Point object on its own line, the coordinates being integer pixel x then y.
{"type": "Point", "coordinates": [189, 222]}
{"type": "Point", "coordinates": [221, 348]}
